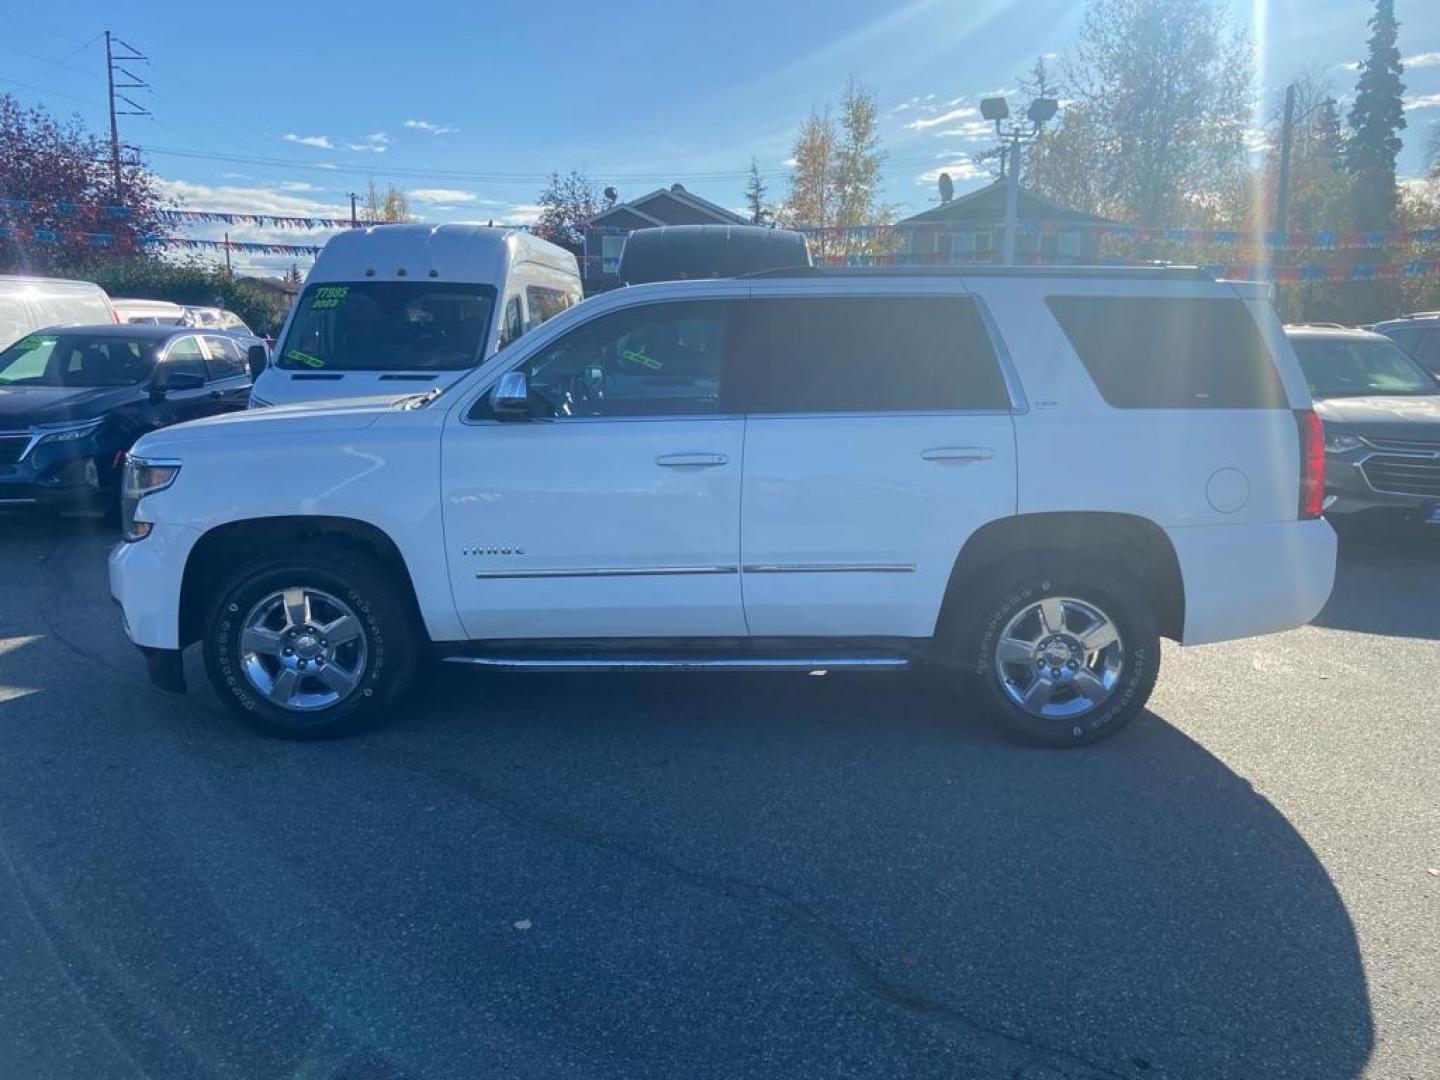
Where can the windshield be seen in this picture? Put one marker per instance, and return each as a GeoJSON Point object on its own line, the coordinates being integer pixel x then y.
{"type": "Point", "coordinates": [77, 360]}
{"type": "Point", "coordinates": [388, 326]}
{"type": "Point", "coordinates": [1340, 367]}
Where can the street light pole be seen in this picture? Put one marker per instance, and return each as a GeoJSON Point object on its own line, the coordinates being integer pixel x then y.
{"type": "Point", "coordinates": [1012, 200]}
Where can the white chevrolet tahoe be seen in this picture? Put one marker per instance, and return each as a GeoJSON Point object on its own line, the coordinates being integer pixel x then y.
{"type": "Point", "coordinates": [1020, 478]}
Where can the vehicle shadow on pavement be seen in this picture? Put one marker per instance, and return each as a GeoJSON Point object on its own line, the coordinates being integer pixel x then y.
{"type": "Point", "coordinates": [1369, 596]}
{"type": "Point", "coordinates": [632, 876]}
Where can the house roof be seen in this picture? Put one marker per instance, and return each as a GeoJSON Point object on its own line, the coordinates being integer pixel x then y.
{"type": "Point", "coordinates": [987, 205]}
{"type": "Point", "coordinates": [669, 206]}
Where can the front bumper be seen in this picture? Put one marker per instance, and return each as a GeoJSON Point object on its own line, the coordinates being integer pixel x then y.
{"type": "Point", "coordinates": [58, 478]}
{"type": "Point", "coordinates": [145, 580]}
{"type": "Point", "coordinates": [1242, 580]}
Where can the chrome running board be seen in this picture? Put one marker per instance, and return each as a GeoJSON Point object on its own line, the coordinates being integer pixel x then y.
{"type": "Point", "coordinates": [813, 664]}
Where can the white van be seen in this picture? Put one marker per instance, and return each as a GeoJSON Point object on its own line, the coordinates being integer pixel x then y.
{"type": "Point", "coordinates": [149, 312]}
{"type": "Point", "coordinates": [401, 309]}
{"type": "Point", "coordinates": [32, 303]}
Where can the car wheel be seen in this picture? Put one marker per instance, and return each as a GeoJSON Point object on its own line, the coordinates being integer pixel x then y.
{"type": "Point", "coordinates": [1060, 658]}
{"type": "Point", "coordinates": [310, 646]}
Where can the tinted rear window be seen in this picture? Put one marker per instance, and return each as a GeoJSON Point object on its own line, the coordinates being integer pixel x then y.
{"type": "Point", "coordinates": [873, 354]}
{"type": "Point", "coordinates": [1171, 353]}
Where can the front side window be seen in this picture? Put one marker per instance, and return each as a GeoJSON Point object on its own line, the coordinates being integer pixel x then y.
{"type": "Point", "coordinates": [388, 326]}
{"type": "Point", "coordinates": [60, 359]}
{"type": "Point", "coordinates": [1160, 352]}
{"type": "Point", "coordinates": [651, 360]}
{"type": "Point", "coordinates": [1335, 367]}
{"type": "Point", "coordinates": [185, 355]}
{"type": "Point", "coordinates": [514, 323]}
{"type": "Point", "coordinates": [873, 354]}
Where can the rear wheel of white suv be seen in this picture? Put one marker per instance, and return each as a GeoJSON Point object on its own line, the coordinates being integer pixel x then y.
{"type": "Point", "coordinates": [1060, 656]}
{"type": "Point", "coordinates": [311, 645]}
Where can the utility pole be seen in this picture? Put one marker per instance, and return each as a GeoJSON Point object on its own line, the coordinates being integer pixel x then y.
{"type": "Point", "coordinates": [113, 64]}
{"type": "Point", "coordinates": [354, 221]}
{"type": "Point", "coordinates": [1287, 138]}
{"type": "Point", "coordinates": [1012, 201]}
{"type": "Point", "coordinates": [227, 255]}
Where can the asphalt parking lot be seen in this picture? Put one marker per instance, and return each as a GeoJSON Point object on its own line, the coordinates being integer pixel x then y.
{"type": "Point", "coordinates": [722, 876]}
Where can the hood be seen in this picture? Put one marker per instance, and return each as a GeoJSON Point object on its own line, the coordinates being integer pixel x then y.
{"type": "Point", "coordinates": [1393, 417]}
{"type": "Point", "coordinates": [26, 406]}
{"type": "Point", "coordinates": [275, 422]}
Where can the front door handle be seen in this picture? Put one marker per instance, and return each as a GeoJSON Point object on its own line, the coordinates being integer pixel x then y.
{"type": "Point", "coordinates": [691, 461]}
{"type": "Point", "coordinates": [958, 453]}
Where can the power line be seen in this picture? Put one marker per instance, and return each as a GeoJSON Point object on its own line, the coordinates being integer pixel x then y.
{"type": "Point", "coordinates": [113, 63]}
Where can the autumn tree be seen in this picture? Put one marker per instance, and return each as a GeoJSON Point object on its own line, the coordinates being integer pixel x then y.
{"type": "Point", "coordinates": [811, 201]}
{"type": "Point", "coordinates": [566, 204]}
{"type": "Point", "coordinates": [858, 158]}
{"type": "Point", "coordinates": [1376, 120]}
{"type": "Point", "coordinates": [1164, 90]}
{"type": "Point", "coordinates": [63, 172]}
{"type": "Point", "coordinates": [755, 192]}
{"type": "Point", "coordinates": [384, 206]}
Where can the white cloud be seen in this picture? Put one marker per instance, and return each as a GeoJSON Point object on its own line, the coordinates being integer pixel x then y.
{"type": "Point", "coordinates": [1421, 60]}
{"type": "Point", "coordinates": [959, 170]}
{"type": "Point", "coordinates": [1424, 101]}
{"type": "Point", "coordinates": [790, 163]}
{"type": "Point", "coordinates": [325, 165]}
{"type": "Point", "coordinates": [521, 213]}
{"type": "Point", "coordinates": [320, 142]}
{"type": "Point", "coordinates": [1256, 140]}
{"type": "Point", "coordinates": [430, 126]}
{"type": "Point", "coordinates": [974, 131]}
{"type": "Point", "coordinates": [443, 195]}
{"type": "Point", "coordinates": [374, 143]}
{"type": "Point", "coordinates": [942, 118]}
{"type": "Point", "coordinates": [1349, 65]}
{"type": "Point", "coordinates": [291, 185]}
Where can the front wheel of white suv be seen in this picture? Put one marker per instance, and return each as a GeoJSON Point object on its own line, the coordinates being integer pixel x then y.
{"type": "Point", "coordinates": [1060, 657]}
{"type": "Point", "coordinates": [311, 645]}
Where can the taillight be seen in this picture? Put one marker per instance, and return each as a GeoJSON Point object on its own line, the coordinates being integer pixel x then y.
{"type": "Point", "coordinates": [1312, 463]}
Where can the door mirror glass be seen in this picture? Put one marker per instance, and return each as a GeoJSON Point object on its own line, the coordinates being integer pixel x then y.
{"type": "Point", "coordinates": [511, 398]}
{"type": "Point", "coordinates": [256, 357]}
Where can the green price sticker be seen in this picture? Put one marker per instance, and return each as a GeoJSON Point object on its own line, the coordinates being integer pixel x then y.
{"type": "Point", "coordinates": [641, 359]}
{"type": "Point", "coordinates": [304, 358]}
{"type": "Point", "coordinates": [329, 296]}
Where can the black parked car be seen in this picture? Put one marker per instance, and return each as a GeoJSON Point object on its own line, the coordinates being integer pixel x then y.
{"type": "Point", "coordinates": [74, 399]}
{"type": "Point", "coordinates": [1418, 335]}
{"type": "Point", "coordinates": [1381, 413]}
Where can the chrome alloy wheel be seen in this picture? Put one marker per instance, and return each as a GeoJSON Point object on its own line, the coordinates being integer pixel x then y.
{"type": "Point", "coordinates": [302, 649]}
{"type": "Point", "coordinates": [1059, 658]}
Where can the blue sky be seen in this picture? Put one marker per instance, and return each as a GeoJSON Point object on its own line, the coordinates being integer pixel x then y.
{"type": "Point", "coordinates": [284, 107]}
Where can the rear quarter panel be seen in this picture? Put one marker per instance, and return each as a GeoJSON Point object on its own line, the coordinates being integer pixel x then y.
{"type": "Point", "coordinates": [1176, 467]}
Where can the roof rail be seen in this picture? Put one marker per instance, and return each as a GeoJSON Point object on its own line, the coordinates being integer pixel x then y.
{"type": "Point", "coordinates": [1182, 273]}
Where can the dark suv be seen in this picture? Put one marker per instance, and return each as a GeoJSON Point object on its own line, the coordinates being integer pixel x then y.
{"type": "Point", "coordinates": [1418, 335]}
{"type": "Point", "coordinates": [1381, 413]}
{"type": "Point", "coordinates": [74, 399]}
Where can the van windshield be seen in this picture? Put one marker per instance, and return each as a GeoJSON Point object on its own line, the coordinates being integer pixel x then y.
{"type": "Point", "coordinates": [388, 326]}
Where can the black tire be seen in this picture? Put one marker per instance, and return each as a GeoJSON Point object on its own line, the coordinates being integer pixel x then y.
{"type": "Point", "coordinates": [390, 638]}
{"type": "Point", "coordinates": [984, 613]}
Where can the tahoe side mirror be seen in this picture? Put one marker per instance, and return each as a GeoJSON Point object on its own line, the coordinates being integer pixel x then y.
{"type": "Point", "coordinates": [510, 399]}
{"type": "Point", "coordinates": [256, 357]}
{"type": "Point", "coordinates": [169, 381]}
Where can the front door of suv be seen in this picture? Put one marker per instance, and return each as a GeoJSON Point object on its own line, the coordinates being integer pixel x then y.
{"type": "Point", "coordinates": [879, 438]}
{"type": "Point", "coordinates": [614, 509]}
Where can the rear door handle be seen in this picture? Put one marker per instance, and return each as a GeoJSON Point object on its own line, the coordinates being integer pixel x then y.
{"type": "Point", "coordinates": [958, 453]}
{"type": "Point", "coordinates": [692, 461]}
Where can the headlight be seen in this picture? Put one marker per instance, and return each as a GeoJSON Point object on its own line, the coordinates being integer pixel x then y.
{"type": "Point", "coordinates": [68, 434]}
{"type": "Point", "coordinates": [1342, 444]}
{"type": "Point", "coordinates": [143, 476]}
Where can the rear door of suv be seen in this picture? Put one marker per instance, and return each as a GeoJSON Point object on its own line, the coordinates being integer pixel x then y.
{"type": "Point", "coordinates": [879, 436]}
